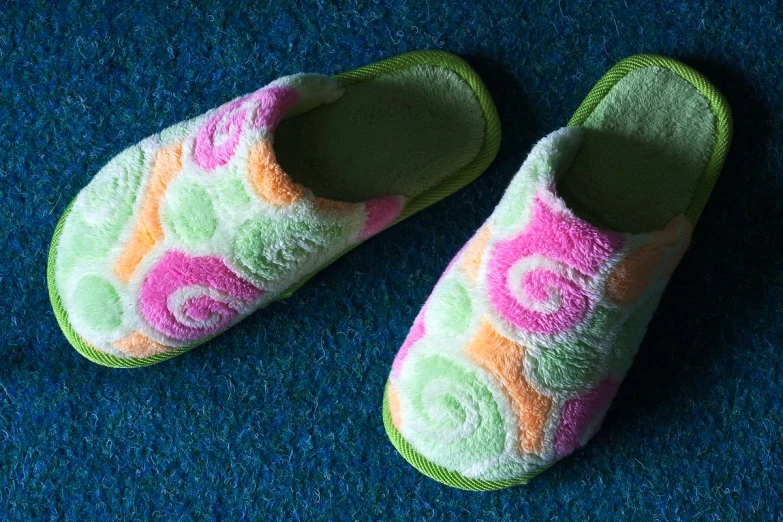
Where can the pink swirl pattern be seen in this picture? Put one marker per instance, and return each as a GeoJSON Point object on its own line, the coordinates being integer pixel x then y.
{"type": "Point", "coordinates": [217, 140]}
{"type": "Point", "coordinates": [381, 212]}
{"type": "Point", "coordinates": [415, 334]}
{"type": "Point", "coordinates": [582, 416]}
{"type": "Point", "coordinates": [572, 251]}
{"type": "Point", "coordinates": [188, 298]}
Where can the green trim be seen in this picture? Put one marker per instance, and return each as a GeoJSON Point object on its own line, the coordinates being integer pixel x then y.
{"type": "Point", "coordinates": [439, 473]}
{"type": "Point", "coordinates": [447, 187]}
{"type": "Point", "coordinates": [723, 127]}
{"type": "Point", "coordinates": [718, 104]}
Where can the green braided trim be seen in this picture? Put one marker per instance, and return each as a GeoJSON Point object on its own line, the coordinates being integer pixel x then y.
{"type": "Point", "coordinates": [718, 104]}
{"type": "Point", "coordinates": [439, 473]}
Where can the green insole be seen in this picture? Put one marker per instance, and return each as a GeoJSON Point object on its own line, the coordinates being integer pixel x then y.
{"type": "Point", "coordinates": [646, 146]}
{"type": "Point", "coordinates": [400, 133]}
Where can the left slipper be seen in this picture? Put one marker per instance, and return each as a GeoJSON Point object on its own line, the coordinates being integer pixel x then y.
{"type": "Point", "coordinates": [184, 234]}
{"type": "Point", "coordinates": [519, 350]}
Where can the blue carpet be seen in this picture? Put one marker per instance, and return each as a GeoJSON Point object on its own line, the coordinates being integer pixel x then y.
{"type": "Point", "coordinates": [280, 418]}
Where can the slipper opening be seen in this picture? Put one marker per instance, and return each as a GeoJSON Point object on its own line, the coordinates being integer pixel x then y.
{"type": "Point", "coordinates": [400, 133]}
{"type": "Point", "coordinates": [646, 147]}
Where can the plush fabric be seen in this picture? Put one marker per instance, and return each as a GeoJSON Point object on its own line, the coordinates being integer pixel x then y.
{"type": "Point", "coordinates": [517, 358]}
{"type": "Point", "coordinates": [543, 310]}
{"type": "Point", "coordinates": [429, 122]}
{"type": "Point", "coordinates": [183, 235]}
{"type": "Point", "coordinates": [161, 276]}
{"type": "Point", "coordinates": [277, 419]}
{"type": "Point", "coordinates": [637, 156]}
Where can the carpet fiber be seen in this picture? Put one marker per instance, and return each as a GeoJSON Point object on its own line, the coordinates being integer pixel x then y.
{"type": "Point", "coordinates": [281, 417]}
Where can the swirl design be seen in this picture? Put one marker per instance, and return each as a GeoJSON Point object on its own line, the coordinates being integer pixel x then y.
{"type": "Point", "coordinates": [273, 250]}
{"type": "Point", "coordinates": [552, 310]}
{"type": "Point", "coordinates": [189, 213]}
{"type": "Point", "coordinates": [188, 298]}
{"type": "Point", "coordinates": [123, 243]}
{"type": "Point", "coordinates": [449, 412]}
{"type": "Point", "coordinates": [217, 140]}
{"type": "Point", "coordinates": [503, 358]}
{"type": "Point", "coordinates": [450, 310]}
{"type": "Point", "coordinates": [99, 214]}
{"type": "Point", "coordinates": [539, 280]}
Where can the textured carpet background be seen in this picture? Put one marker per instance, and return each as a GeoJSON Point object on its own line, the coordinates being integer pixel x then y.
{"type": "Point", "coordinates": [280, 418]}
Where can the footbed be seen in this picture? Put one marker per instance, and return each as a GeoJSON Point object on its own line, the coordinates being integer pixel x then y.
{"type": "Point", "coordinates": [398, 134]}
{"type": "Point", "coordinates": [645, 147]}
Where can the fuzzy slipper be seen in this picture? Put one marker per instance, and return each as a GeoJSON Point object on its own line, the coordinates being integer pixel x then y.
{"type": "Point", "coordinates": [518, 352]}
{"type": "Point", "coordinates": [184, 234]}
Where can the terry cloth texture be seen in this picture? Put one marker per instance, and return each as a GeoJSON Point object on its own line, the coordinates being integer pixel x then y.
{"type": "Point", "coordinates": [278, 417]}
{"type": "Point", "coordinates": [517, 354]}
{"type": "Point", "coordinates": [187, 232]}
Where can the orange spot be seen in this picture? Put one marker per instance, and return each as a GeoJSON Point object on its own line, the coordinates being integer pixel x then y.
{"type": "Point", "coordinates": [326, 205]}
{"type": "Point", "coordinates": [269, 179]}
{"type": "Point", "coordinates": [634, 275]}
{"type": "Point", "coordinates": [676, 237]}
{"type": "Point", "coordinates": [653, 261]}
{"type": "Point", "coordinates": [471, 261]}
{"type": "Point", "coordinates": [147, 232]}
{"type": "Point", "coordinates": [502, 358]}
{"type": "Point", "coordinates": [394, 406]}
{"type": "Point", "coordinates": [139, 345]}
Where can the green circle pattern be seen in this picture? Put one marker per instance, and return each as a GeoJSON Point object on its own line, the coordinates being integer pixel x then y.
{"type": "Point", "coordinates": [446, 398]}
{"type": "Point", "coordinates": [189, 213]}
{"type": "Point", "coordinates": [96, 302]}
{"type": "Point", "coordinates": [564, 367]}
{"type": "Point", "coordinates": [450, 310]}
{"type": "Point", "coordinates": [630, 337]}
{"type": "Point", "coordinates": [104, 207]}
{"type": "Point", "coordinates": [271, 250]}
{"type": "Point", "coordinates": [231, 193]}
{"type": "Point", "coordinates": [107, 201]}
{"type": "Point", "coordinates": [575, 365]}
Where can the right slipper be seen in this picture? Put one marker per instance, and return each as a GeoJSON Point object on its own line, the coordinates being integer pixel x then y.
{"type": "Point", "coordinates": [181, 236]}
{"type": "Point", "coordinates": [515, 357]}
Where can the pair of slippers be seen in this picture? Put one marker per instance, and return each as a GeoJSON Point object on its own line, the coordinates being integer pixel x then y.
{"type": "Point", "coordinates": [519, 350]}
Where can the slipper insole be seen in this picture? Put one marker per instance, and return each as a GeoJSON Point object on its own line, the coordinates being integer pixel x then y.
{"type": "Point", "coordinates": [400, 133]}
{"type": "Point", "coordinates": [645, 147]}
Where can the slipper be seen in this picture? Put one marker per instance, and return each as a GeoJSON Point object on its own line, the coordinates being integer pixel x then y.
{"type": "Point", "coordinates": [181, 236]}
{"type": "Point", "coordinates": [518, 352]}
